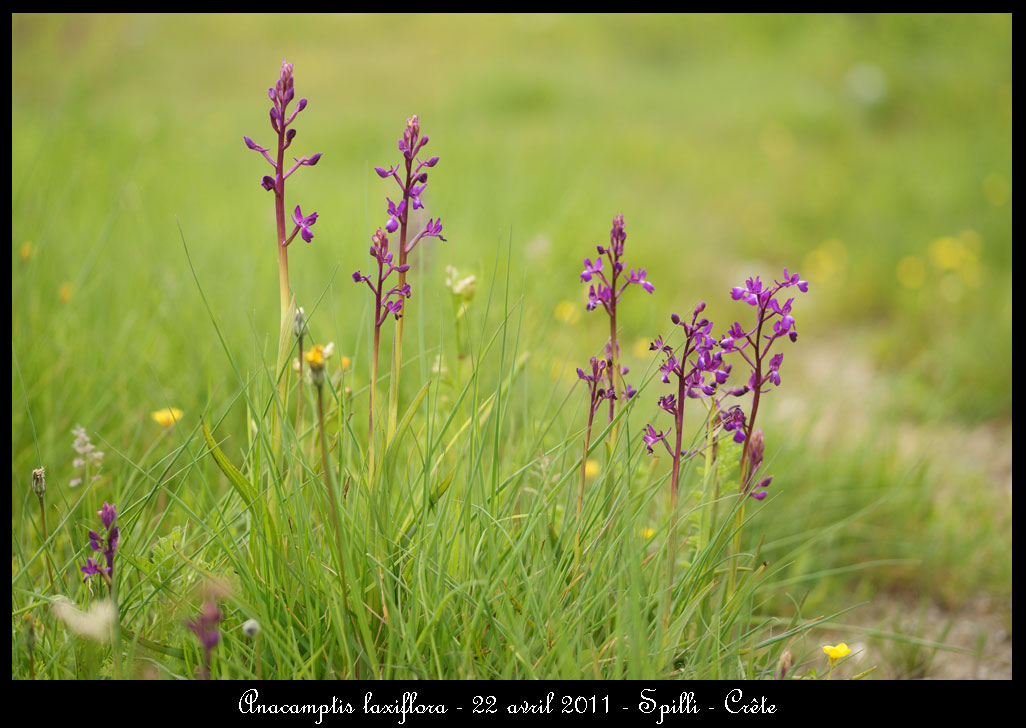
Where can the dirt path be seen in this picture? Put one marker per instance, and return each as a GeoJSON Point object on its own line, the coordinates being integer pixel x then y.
{"type": "Point", "coordinates": [843, 397]}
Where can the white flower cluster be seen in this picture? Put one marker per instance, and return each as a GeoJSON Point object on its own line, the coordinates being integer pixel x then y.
{"type": "Point", "coordinates": [90, 459]}
{"type": "Point", "coordinates": [464, 288]}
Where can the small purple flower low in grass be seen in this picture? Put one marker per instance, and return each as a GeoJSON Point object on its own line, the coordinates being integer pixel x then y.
{"type": "Point", "coordinates": [107, 543]}
{"type": "Point", "coordinates": [207, 628]}
{"type": "Point", "coordinates": [609, 280]}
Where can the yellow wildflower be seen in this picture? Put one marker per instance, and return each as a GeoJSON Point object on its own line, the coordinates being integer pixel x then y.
{"type": "Point", "coordinates": [346, 363]}
{"type": "Point", "coordinates": [167, 417]}
{"type": "Point", "coordinates": [836, 652]}
{"type": "Point", "coordinates": [315, 358]}
{"type": "Point", "coordinates": [65, 292]}
{"type": "Point", "coordinates": [826, 261]}
{"type": "Point", "coordinates": [591, 469]}
{"type": "Point", "coordinates": [647, 533]}
{"type": "Point", "coordinates": [948, 253]}
{"type": "Point", "coordinates": [25, 252]}
{"type": "Point", "coordinates": [567, 312]}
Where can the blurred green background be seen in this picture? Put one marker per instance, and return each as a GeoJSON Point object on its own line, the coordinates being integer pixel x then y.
{"type": "Point", "coordinates": [871, 153]}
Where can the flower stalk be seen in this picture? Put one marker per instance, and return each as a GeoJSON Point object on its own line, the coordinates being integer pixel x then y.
{"type": "Point", "coordinates": [386, 303]}
{"type": "Point", "coordinates": [299, 331]}
{"type": "Point", "coordinates": [281, 96]}
{"type": "Point", "coordinates": [606, 292]}
{"type": "Point", "coordinates": [39, 488]}
{"type": "Point", "coordinates": [691, 383]}
{"type": "Point", "coordinates": [316, 359]}
{"type": "Point", "coordinates": [596, 394]}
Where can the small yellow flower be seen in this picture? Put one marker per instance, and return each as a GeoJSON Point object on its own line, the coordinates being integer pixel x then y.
{"type": "Point", "coordinates": [567, 312]}
{"type": "Point", "coordinates": [65, 292]}
{"type": "Point", "coordinates": [167, 417]}
{"type": "Point", "coordinates": [315, 358]}
{"type": "Point", "coordinates": [647, 533]}
{"type": "Point", "coordinates": [948, 253]}
{"type": "Point", "coordinates": [591, 469]}
{"type": "Point", "coordinates": [25, 252]}
{"type": "Point", "coordinates": [836, 652]}
{"type": "Point", "coordinates": [346, 363]}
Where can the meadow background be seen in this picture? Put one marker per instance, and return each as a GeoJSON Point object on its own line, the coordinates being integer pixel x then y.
{"type": "Point", "coordinates": [873, 154]}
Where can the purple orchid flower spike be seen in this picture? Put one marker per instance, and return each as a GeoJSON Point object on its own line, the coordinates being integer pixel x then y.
{"type": "Point", "coordinates": [107, 543]}
{"type": "Point", "coordinates": [282, 95]}
{"type": "Point", "coordinates": [411, 175]}
{"type": "Point", "coordinates": [698, 370]}
{"type": "Point", "coordinates": [607, 289]}
{"type": "Point", "coordinates": [773, 321]}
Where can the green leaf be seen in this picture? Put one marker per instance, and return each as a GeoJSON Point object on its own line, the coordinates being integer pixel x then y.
{"type": "Point", "coordinates": [236, 478]}
{"type": "Point", "coordinates": [404, 423]}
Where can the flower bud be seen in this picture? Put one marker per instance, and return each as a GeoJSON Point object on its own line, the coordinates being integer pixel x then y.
{"type": "Point", "coordinates": [299, 323]}
{"type": "Point", "coordinates": [39, 482]}
{"type": "Point", "coordinates": [251, 628]}
{"type": "Point", "coordinates": [30, 632]}
{"type": "Point", "coordinates": [784, 664]}
{"type": "Point", "coordinates": [758, 449]}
